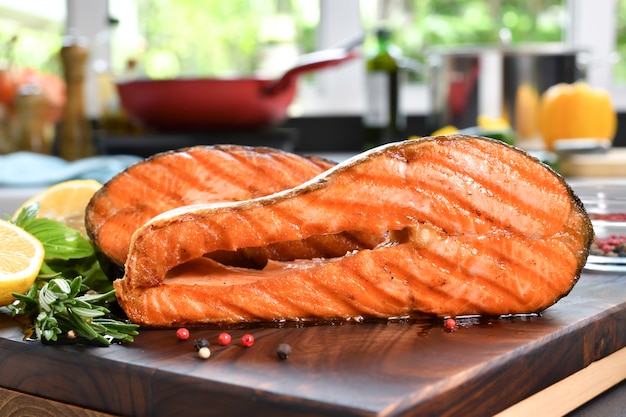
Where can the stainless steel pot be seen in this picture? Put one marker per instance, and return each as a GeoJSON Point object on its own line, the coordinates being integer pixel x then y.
{"type": "Point", "coordinates": [498, 82]}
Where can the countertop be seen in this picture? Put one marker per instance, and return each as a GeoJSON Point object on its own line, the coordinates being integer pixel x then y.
{"type": "Point", "coordinates": [400, 368]}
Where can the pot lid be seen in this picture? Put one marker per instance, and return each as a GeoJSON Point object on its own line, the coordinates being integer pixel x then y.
{"type": "Point", "coordinates": [534, 49]}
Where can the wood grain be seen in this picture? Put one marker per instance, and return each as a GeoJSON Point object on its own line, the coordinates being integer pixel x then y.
{"type": "Point", "coordinates": [368, 369]}
{"type": "Point", "coordinates": [16, 404]}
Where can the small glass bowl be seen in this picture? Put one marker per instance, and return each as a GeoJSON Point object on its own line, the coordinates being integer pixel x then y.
{"type": "Point", "coordinates": [606, 205]}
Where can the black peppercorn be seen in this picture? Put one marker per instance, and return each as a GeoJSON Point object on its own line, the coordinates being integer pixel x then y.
{"type": "Point", "coordinates": [200, 343]}
{"type": "Point", "coordinates": [283, 351]}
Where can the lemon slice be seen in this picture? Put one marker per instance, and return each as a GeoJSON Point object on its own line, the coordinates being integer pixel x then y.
{"type": "Point", "coordinates": [65, 202]}
{"type": "Point", "coordinates": [21, 257]}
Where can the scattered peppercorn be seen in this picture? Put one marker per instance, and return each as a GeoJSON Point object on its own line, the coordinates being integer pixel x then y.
{"type": "Point", "coordinates": [283, 351]}
{"type": "Point", "coordinates": [615, 217]}
{"type": "Point", "coordinates": [247, 340]}
{"type": "Point", "coordinates": [223, 339]}
{"type": "Point", "coordinates": [204, 352]}
{"type": "Point", "coordinates": [614, 245]}
{"type": "Point", "coordinates": [200, 343]}
{"type": "Point", "coordinates": [182, 334]}
{"type": "Point", "coordinates": [450, 323]}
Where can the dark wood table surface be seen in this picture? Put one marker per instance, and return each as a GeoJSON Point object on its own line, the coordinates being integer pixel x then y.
{"type": "Point", "coordinates": [368, 369]}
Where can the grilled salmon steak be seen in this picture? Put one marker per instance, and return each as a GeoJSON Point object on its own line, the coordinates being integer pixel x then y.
{"type": "Point", "coordinates": [205, 174]}
{"type": "Point", "coordinates": [471, 226]}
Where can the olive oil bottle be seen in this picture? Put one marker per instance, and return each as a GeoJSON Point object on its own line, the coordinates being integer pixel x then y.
{"type": "Point", "coordinates": [384, 120]}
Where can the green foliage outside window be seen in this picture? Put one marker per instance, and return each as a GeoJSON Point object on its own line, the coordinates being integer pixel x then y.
{"type": "Point", "coordinates": [26, 47]}
{"type": "Point", "coordinates": [219, 38]}
{"type": "Point", "coordinates": [423, 24]}
{"type": "Point", "coordinates": [619, 70]}
{"type": "Point", "coordinates": [222, 37]}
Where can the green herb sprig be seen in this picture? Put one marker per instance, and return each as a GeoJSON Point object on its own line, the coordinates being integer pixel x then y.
{"type": "Point", "coordinates": [69, 297]}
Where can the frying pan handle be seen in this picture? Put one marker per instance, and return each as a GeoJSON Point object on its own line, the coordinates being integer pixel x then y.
{"type": "Point", "coordinates": [310, 62]}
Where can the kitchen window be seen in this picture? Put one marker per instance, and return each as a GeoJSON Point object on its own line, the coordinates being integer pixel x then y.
{"type": "Point", "coordinates": [420, 25]}
{"type": "Point", "coordinates": [29, 33]}
{"type": "Point", "coordinates": [579, 27]}
{"type": "Point", "coordinates": [188, 38]}
{"type": "Point", "coordinates": [300, 26]}
{"type": "Point", "coordinates": [424, 23]}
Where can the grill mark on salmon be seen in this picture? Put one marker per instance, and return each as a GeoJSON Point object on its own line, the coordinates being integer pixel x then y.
{"type": "Point", "coordinates": [484, 183]}
{"type": "Point", "coordinates": [205, 174]}
{"type": "Point", "coordinates": [486, 278]}
{"type": "Point", "coordinates": [463, 237]}
{"type": "Point", "coordinates": [456, 174]}
{"type": "Point", "coordinates": [435, 286]}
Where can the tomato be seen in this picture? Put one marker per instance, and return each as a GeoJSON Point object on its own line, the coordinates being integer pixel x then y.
{"type": "Point", "coordinates": [8, 86]}
{"type": "Point", "coordinates": [52, 87]}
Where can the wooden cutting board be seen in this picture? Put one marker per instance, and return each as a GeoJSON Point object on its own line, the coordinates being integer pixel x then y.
{"type": "Point", "coordinates": [376, 369]}
{"type": "Point", "coordinates": [610, 164]}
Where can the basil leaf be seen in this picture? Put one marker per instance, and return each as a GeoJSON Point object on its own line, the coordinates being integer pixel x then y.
{"type": "Point", "coordinates": [47, 272]}
{"type": "Point", "coordinates": [59, 241]}
{"type": "Point", "coordinates": [71, 291]}
{"type": "Point", "coordinates": [27, 214]}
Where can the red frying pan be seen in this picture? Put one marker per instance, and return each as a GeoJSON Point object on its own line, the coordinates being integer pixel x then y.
{"type": "Point", "coordinates": [220, 104]}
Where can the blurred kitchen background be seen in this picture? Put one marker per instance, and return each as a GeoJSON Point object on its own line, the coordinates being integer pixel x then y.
{"type": "Point", "coordinates": [175, 39]}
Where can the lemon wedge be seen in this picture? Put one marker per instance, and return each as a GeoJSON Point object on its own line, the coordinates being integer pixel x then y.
{"type": "Point", "coordinates": [65, 202]}
{"type": "Point", "coordinates": [21, 257]}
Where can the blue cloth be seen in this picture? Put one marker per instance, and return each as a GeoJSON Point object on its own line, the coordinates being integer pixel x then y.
{"type": "Point", "coordinates": [31, 169]}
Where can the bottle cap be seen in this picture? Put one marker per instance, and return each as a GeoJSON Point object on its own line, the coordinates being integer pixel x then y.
{"type": "Point", "coordinates": [73, 38]}
{"type": "Point", "coordinates": [384, 33]}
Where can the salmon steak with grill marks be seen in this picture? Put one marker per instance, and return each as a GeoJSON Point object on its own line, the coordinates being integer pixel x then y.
{"type": "Point", "coordinates": [204, 174]}
{"type": "Point", "coordinates": [471, 226]}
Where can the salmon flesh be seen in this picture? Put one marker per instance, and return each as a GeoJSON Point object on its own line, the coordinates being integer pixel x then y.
{"type": "Point", "coordinates": [471, 226]}
{"type": "Point", "coordinates": [204, 174]}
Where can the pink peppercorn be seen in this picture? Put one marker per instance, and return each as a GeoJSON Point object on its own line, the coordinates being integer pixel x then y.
{"type": "Point", "coordinates": [182, 334]}
{"type": "Point", "coordinates": [247, 340]}
{"type": "Point", "coordinates": [450, 323]}
{"type": "Point", "coordinates": [223, 339]}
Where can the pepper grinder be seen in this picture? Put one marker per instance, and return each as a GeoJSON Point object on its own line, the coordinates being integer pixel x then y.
{"type": "Point", "coordinates": [75, 136]}
{"type": "Point", "coordinates": [31, 122]}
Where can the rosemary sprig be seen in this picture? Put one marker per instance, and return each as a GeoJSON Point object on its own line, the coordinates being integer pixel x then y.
{"type": "Point", "coordinates": [64, 308]}
{"type": "Point", "coordinates": [69, 297]}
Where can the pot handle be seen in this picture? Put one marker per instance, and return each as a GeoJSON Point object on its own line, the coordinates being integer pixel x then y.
{"type": "Point", "coordinates": [310, 62]}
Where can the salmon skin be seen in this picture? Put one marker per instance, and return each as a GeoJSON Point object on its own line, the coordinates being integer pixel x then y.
{"type": "Point", "coordinates": [473, 227]}
{"type": "Point", "coordinates": [204, 174]}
